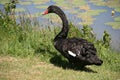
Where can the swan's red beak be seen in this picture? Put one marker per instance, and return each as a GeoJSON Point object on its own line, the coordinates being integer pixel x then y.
{"type": "Point", "coordinates": [46, 12]}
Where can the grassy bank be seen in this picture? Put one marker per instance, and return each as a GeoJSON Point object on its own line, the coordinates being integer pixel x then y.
{"type": "Point", "coordinates": [27, 53]}
{"type": "Point", "coordinates": [15, 68]}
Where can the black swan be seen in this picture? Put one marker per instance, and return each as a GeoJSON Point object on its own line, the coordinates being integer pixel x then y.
{"type": "Point", "coordinates": [77, 50]}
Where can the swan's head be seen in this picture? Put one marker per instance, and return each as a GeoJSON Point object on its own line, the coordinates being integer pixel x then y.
{"type": "Point", "coordinates": [52, 9]}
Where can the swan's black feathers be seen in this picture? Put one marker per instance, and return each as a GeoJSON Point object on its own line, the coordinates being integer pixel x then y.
{"type": "Point", "coordinates": [78, 46]}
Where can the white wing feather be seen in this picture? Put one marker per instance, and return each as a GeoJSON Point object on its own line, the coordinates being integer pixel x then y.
{"type": "Point", "coordinates": [71, 53]}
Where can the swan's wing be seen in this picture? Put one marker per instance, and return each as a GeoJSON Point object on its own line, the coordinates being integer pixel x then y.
{"type": "Point", "coordinates": [78, 47]}
{"type": "Point", "coordinates": [80, 51]}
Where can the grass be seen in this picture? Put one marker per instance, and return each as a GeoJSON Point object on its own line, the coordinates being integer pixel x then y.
{"type": "Point", "coordinates": [15, 68]}
{"type": "Point", "coordinates": [27, 53]}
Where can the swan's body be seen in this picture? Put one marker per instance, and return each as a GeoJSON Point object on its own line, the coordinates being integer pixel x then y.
{"type": "Point", "coordinates": [76, 50]}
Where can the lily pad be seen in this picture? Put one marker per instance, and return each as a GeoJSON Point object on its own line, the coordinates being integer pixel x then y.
{"type": "Point", "coordinates": [24, 2]}
{"type": "Point", "coordinates": [117, 19]}
{"type": "Point", "coordinates": [117, 9]}
{"type": "Point", "coordinates": [85, 7]}
{"type": "Point", "coordinates": [41, 7]}
{"type": "Point", "coordinates": [110, 3]}
{"type": "Point", "coordinates": [87, 17]}
{"type": "Point", "coordinates": [19, 9]}
{"type": "Point", "coordinates": [116, 24]}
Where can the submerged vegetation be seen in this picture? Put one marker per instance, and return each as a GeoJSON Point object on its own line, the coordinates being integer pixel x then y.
{"type": "Point", "coordinates": [110, 3]}
{"type": "Point", "coordinates": [28, 39]}
{"type": "Point", "coordinates": [116, 24]}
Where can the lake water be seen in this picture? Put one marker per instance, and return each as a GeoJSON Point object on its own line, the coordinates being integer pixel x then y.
{"type": "Point", "coordinates": [98, 24]}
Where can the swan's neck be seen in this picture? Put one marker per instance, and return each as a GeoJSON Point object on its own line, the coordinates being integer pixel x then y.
{"type": "Point", "coordinates": [63, 33]}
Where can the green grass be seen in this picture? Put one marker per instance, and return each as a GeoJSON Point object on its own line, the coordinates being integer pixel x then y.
{"type": "Point", "coordinates": [15, 68]}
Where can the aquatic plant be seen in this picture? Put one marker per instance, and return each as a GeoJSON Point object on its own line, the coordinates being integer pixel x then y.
{"type": "Point", "coordinates": [116, 24]}
{"type": "Point", "coordinates": [10, 7]}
